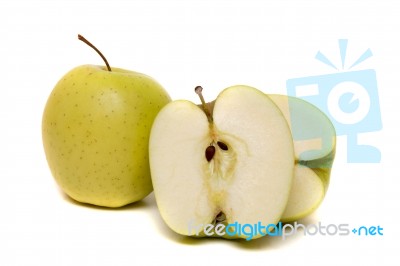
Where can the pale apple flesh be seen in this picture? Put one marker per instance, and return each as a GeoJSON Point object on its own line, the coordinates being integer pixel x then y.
{"type": "Point", "coordinates": [313, 132]}
{"type": "Point", "coordinates": [306, 194]}
{"type": "Point", "coordinates": [95, 129]}
{"type": "Point", "coordinates": [248, 178]}
{"type": "Point", "coordinates": [314, 146]}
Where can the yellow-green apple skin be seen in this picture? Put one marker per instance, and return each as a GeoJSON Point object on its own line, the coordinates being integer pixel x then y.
{"type": "Point", "coordinates": [314, 156]}
{"type": "Point", "coordinates": [95, 130]}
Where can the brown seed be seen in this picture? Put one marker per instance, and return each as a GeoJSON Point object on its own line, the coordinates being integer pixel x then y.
{"type": "Point", "coordinates": [222, 145]}
{"type": "Point", "coordinates": [210, 151]}
{"type": "Point", "coordinates": [220, 217]}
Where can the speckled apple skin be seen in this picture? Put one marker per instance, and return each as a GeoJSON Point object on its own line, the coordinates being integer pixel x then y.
{"type": "Point", "coordinates": [95, 129]}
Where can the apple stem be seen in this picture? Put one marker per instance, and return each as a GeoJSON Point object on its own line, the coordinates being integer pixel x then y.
{"type": "Point", "coordinates": [83, 39]}
{"type": "Point", "coordinates": [199, 90]}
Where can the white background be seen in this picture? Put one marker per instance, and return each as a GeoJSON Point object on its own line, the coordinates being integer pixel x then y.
{"type": "Point", "coordinates": [183, 44]}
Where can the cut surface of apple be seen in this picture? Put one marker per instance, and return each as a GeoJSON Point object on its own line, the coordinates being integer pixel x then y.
{"type": "Point", "coordinates": [314, 147]}
{"type": "Point", "coordinates": [313, 133]}
{"type": "Point", "coordinates": [234, 166]}
{"type": "Point", "coordinates": [307, 193]}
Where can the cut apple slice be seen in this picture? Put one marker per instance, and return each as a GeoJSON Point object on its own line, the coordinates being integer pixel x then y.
{"type": "Point", "coordinates": [314, 145]}
{"type": "Point", "coordinates": [307, 193]}
{"type": "Point", "coordinates": [235, 165]}
{"type": "Point", "coordinates": [313, 133]}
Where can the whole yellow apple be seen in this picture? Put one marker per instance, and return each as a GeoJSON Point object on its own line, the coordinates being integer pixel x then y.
{"type": "Point", "coordinates": [96, 127]}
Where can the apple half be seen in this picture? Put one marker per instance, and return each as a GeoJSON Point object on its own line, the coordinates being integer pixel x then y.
{"type": "Point", "coordinates": [314, 139]}
{"type": "Point", "coordinates": [232, 164]}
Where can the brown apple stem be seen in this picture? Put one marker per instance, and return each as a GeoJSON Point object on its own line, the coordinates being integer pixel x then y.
{"type": "Point", "coordinates": [199, 90]}
{"type": "Point", "coordinates": [83, 39]}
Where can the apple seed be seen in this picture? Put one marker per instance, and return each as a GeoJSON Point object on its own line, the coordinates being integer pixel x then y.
{"type": "Point", "coordinates": [222, 145]}
{"type": "Point", "coordinates": [210, 151]}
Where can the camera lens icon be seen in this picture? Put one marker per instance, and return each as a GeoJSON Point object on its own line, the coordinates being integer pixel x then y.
{"type": "Point", "coordinates": [351, 101]}
{"type": "Point", "coordinates": [348, 102]}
